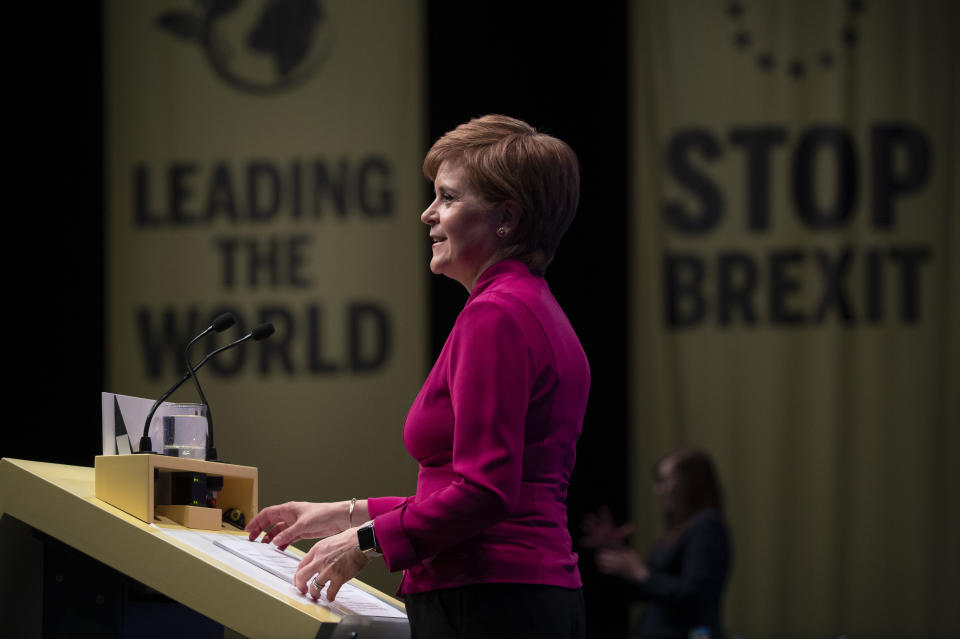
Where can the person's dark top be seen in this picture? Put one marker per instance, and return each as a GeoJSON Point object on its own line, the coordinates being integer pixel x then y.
{"type": "Point", "coordinates": [685, 588]}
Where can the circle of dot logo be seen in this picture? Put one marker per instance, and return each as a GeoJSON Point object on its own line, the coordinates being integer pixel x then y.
{"type": "Point", "coordinates": [797, 67]}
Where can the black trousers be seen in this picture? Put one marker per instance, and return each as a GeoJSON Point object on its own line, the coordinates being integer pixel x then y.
{"type": "Point", "coordinates": [501, 611]}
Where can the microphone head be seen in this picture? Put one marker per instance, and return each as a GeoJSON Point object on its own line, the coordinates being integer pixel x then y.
{"type": "Point", "coordinates": [263, 331]}
{"type": "Point", "coordinates": [223, 321]}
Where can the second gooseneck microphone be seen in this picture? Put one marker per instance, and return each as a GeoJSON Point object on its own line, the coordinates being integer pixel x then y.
{"type": "Point", "coordinates": [220, 323]}
{"type": "Point", "coordinates": [259, 333]}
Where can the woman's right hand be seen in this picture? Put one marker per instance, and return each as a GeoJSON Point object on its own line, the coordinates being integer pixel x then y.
{"type": "Point", "coordinates": [295, 520]}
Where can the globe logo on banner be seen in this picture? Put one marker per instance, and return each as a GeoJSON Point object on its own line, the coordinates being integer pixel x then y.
{"type": "Point", "coordinates": [257, 46]}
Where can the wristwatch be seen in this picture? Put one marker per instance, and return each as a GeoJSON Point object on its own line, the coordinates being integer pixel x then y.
{"type": "Point", "coordinates": [367, 540]}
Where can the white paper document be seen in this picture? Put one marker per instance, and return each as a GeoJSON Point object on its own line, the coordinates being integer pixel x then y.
{"type": "Point", "coordinates": [277, 562]}
{"type": "Point", "coordinates": [274, 568]}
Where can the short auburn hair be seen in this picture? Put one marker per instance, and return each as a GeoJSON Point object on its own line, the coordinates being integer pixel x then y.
{"type": "Point", "coordinates": [506, 159]}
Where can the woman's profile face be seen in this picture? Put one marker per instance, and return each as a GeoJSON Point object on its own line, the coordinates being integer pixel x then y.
{"type": "Point", "coordinates": [462, 226]}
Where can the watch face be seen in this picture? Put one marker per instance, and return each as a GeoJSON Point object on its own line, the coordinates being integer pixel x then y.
{"type": "Point", "coordinates": [365, 538]}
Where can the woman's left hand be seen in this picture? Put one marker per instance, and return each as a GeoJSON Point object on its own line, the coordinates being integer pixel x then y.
{"type": "Point", "coordinates": [336, 559]}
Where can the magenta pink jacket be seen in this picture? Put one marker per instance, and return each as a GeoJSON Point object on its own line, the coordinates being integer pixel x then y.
{"type": "Point", "coordinates": [495, 430]}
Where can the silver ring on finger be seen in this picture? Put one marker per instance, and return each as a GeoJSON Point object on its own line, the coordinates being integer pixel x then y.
{"type": "Point", "coordinates": [316, 584]}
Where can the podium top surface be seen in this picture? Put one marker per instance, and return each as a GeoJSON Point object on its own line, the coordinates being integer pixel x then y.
{"type": "Point", "coordinates": [59, 500]}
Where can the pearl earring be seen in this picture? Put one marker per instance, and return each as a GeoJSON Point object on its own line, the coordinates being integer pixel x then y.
{"type": "Point", "coordinates": [502, 232]}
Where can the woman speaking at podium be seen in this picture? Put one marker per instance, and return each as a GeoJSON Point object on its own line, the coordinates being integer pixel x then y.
{"type": "Point", "coordinates": [483, 544]}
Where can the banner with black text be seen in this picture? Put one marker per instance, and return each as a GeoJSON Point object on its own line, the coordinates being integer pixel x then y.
{"type": "Point", "coordinates": [263, 158]}
{"type": "Point", "coordinates": [795, 311]}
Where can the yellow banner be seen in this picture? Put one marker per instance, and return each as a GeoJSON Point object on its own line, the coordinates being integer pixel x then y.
{"type": "Point", "coordinates": [264, 158]}
{"type": "Point", "coordinates": [794, 297]}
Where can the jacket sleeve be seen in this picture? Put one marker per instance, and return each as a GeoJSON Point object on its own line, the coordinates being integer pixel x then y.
{"type": "Point", "coordinates": [706, 556]}
{"type": "Point", "coordinates": [378, 505]}
{"type": "Point", "coordinates": [489, 380]}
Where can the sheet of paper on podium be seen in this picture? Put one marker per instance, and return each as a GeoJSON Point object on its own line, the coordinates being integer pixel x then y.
{"type": "Point", "coordinates": [273, 568]}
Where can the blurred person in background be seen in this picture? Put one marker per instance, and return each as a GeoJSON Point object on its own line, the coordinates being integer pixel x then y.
{"type": "Point", "coordinates": [683, 576]}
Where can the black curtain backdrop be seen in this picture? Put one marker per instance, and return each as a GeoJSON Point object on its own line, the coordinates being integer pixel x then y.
{"type": "Point", "coordinates": [53, 257]}
{"type": "Point", "coordinates": [563, 71]}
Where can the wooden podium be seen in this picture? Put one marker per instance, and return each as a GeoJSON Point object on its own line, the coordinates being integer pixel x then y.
{"type": "Point", "coordinates": [60, 502]}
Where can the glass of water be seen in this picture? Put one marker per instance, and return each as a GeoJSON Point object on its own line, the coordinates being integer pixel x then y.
{"type": "Point", "coordinates": [184, 430]}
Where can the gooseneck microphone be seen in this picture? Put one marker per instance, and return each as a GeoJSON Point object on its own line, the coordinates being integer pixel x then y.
{"type": "Point", "coordinates": [220, 323]}
{"type": "Point", "coordinates": [196, 383]}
